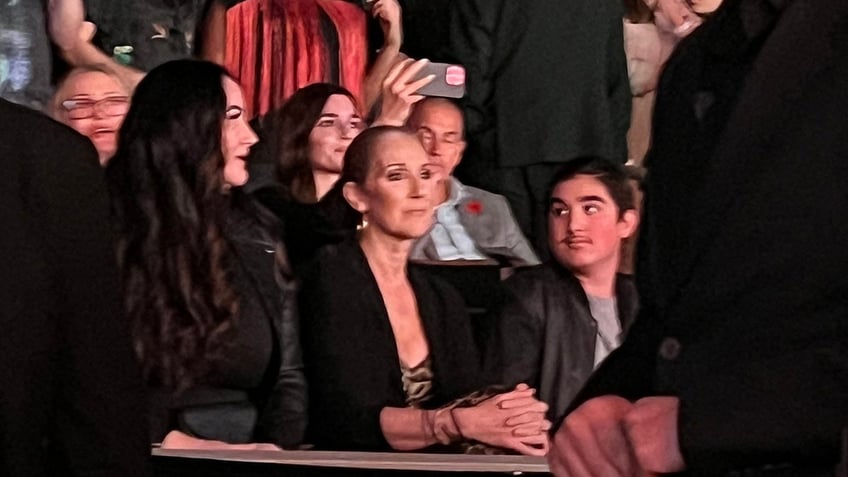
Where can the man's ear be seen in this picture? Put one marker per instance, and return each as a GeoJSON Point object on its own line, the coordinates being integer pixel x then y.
{"type": "Point", "coordinates": [628, 223]}
{"type": "Point", "coordinates": [355, 197]}
{"type": "Point", "coordinates": [461, 145]}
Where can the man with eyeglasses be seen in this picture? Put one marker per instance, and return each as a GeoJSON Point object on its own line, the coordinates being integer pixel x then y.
{"type": "Point", "coordinates": [94, 103]}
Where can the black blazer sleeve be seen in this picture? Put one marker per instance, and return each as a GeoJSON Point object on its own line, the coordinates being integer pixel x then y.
{"type": "Point", "coordinates": [268, 292]}
{"type": "Point", "coordinates": [745, 316]}
{"type": "Point", "coordinates": [514, 351]}
{"type": "Point", "coordinates": [285, 414]}
{"type": "Point", "coordinates": [68, 374]}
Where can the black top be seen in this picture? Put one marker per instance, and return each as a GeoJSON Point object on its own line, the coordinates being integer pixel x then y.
{"type": "Point", "coordinates": [267, 292]}
{"type": "Point", "coordinates": [249, 355]}
{"type": "Point", "coordinates": [308, 227]}
{"type": "Point", "coordinates": [351, 358]}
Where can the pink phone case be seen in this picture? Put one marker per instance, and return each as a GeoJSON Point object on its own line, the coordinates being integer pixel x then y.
{"type": "Point", "coordinates": [449, 81]}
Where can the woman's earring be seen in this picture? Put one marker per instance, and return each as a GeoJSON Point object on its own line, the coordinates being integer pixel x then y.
{"type": "Point", "coordinates": [362, 224]}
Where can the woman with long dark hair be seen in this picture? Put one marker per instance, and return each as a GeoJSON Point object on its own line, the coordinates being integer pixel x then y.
{"type": "Point", "coordinates": [312, 132]}
{"type": "Point", "coordinates": [207, 288]}
{"type": "Point", "coordinates": [305, 144]}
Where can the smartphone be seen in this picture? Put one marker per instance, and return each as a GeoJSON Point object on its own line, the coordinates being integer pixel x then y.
{"type": "Point", "coordinates": [448, 83]}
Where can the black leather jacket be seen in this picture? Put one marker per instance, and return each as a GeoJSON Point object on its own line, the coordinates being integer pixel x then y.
{"type": "Point", "coordinates": [256, 390]}
{"type": "Point", "coordinates": [545, 334]}
{"type": "Point", "coordinates": [264, 289]}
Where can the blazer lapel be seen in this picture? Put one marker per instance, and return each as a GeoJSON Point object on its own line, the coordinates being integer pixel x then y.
{"type": "Point", "coordinates": [257, 261]}
{"type": "Point", "coordinates": [428, 309]}
{"type": "Point", "coordinates": [477, 219]}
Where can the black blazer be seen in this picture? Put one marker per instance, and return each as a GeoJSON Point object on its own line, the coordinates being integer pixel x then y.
{"type": "Point", "coordinates": [743, 287]}
{"type": "Point", "coordinates": [270, 293]}
{"type": "Point", "coordinates": [71, 395]}
{"type": "Point", "coordinates": [352, 365]}
{"type": "Point", "coordinates": [545, 333]}
{"type": "Point", "coordinates": [256, 389]}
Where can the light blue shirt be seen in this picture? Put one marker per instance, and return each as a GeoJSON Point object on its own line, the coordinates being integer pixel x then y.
{"type": "Point", "coordinates": [450, 238]}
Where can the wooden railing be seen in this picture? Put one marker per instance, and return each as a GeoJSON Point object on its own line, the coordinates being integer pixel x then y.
{"type": "Point", "coordinates": [318, 463]}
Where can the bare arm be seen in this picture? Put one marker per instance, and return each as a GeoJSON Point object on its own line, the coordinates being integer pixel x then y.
{"type": "Point", "coordinates": [408, 429]}
{"type": "Point", "coordinates": [181, 440]}
{"type": "Point", "coordinates": [388, 12]}
{"type": "Point", "coordinates": [64, 21]}
{"type": "Point", "coordinates": [85, 53]}
{"type": "Point", "coordinates": [72, 34]}
{"type": "Point", "coordinates": [513, 420]}
{"type": "Point", "coordinates": [215, 33]}
{"type": "Point", "coordinates": [399, 92]}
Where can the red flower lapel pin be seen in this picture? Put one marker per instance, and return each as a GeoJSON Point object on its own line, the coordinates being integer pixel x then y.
{"type": "Point", "coordinates": [474, 207]}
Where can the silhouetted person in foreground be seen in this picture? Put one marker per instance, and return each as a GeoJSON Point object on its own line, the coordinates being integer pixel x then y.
{"type": "Point", "coordinates": [72, 401]}
{"type": "Point", "coordinates": [738, 361]}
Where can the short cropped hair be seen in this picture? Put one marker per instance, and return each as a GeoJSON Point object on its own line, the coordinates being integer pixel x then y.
{"type": "Point", "coordinates": [613, 176]}
{"type": "Point", "coordinates": [414, 117]}
{"type": "Point", "coordinates": [359, 157]}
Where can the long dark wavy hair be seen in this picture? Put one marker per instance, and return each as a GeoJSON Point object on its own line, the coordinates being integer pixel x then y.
{"type": "Point", "coordinates": [288, 130]}
{"type": "Point", "coordinates": [166, 183]}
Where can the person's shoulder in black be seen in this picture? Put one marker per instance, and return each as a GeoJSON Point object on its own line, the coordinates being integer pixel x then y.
{"type": "Point", "coordinates": [69, 377]}
{"type": "Point", "coordinates": [307, 227]}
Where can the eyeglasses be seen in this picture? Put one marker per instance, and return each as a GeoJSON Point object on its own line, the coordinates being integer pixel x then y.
{"type": "Point", "coordinates": [84, 108]}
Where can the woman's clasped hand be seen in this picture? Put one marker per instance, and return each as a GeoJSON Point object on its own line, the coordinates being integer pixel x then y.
{"type": "Point", "coordinates": [512, 420]}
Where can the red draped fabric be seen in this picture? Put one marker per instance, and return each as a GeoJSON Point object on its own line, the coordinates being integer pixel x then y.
{"type": "Point", "coordinates": [275, 47]}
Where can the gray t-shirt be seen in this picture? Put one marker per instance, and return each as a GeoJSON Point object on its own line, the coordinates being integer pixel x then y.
{"type": "Point", "coordinates": [605, 313]}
